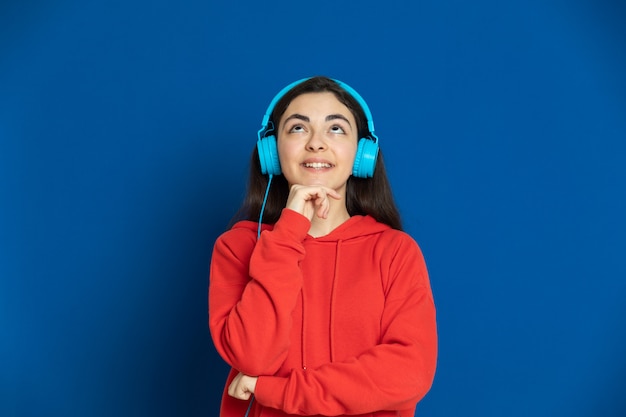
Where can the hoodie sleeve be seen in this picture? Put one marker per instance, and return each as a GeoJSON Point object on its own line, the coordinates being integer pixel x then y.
{"type": "Point", "coordinates": [252, 292]}
{"type": "Point", "coordinates": [393, 375]}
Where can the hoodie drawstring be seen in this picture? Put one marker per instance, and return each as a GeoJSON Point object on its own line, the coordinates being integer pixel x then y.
{"type": "Point", "coordinates": [303, 334]}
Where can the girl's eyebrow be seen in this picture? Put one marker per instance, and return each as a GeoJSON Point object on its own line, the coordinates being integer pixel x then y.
{"type": "Point", "coordinates": [297, 116]}
{"type": "Point", "coordinates": [338, 116]}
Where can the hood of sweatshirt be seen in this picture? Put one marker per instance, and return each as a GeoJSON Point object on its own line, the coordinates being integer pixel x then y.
{"type": "Point", "coordinates": [355, 227]}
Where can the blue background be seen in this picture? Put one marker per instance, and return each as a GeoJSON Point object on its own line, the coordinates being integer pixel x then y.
{"type": "Point", "coordinates": [126, 128]}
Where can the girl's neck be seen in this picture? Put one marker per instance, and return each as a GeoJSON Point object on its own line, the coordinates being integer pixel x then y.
{"type": "Point", "coordinates": [337, 215]}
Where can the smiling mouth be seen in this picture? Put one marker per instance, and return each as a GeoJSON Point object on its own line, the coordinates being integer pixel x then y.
{"type": "Point", "coordinates": [317, 165]}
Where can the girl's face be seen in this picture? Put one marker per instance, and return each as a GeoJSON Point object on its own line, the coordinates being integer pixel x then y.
{"type": "Point", "coordinates": [317, 141]}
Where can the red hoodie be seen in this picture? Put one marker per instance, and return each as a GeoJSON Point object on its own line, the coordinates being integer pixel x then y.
{"type": "Point", "coordinates": [343, 324]}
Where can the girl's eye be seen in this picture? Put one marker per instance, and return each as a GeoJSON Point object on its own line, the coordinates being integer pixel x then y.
{"type": "Point", "coordinates": [337, 129]}
{"type": "Point", "coordinates": [297, 128]}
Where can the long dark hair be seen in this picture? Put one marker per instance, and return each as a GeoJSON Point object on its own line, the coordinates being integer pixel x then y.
{"type": "Point", "coordinates": [364, 196]}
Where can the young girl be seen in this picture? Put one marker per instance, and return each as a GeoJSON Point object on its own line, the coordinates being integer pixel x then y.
{"type": "Point", "coordinates": [317, 300]}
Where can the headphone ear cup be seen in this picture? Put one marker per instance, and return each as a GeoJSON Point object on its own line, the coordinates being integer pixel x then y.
{"type": "Point", "coordinates": [268, 155]}
{"type": "Point", "coordinates": [365, 160]}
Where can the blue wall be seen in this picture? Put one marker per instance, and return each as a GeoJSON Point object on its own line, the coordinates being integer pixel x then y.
{"type": "Point", "coordinates": [125, 129]}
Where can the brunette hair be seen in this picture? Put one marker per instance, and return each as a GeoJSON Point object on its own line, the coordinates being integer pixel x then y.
{"type": "Point", "coordinates": [364, 196]}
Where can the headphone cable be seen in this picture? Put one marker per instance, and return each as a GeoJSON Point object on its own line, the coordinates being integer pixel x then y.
{"type": "Point", "coordinates": [267, 190]}
{"type": "Point", "coordinates": [249, 406]}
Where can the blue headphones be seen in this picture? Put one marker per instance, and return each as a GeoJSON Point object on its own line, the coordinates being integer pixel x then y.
{"type": "Point", "coordinates": [367, 150]}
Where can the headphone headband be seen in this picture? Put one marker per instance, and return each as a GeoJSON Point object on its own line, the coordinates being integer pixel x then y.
{"type": "Point", "coordinates": [366, 110]}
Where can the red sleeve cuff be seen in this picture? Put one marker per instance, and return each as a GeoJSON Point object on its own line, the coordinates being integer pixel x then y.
{"type": "Point", "coordinates": [292, 224]}
{"type": "Point", "coordinates": [270, 391]}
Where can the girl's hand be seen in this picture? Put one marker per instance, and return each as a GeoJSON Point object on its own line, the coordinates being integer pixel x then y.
{"type": "Point", "coordinates": [242, 386]}
{"type": "Point", "coordinates": [310, 200]}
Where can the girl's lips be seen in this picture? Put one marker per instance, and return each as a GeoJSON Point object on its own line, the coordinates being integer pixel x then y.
{"type": "Point", "coordinates": [317, 165]}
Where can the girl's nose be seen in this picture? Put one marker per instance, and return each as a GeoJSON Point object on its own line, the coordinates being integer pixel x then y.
{"type": "Point", "coordinates": [316, 142]}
